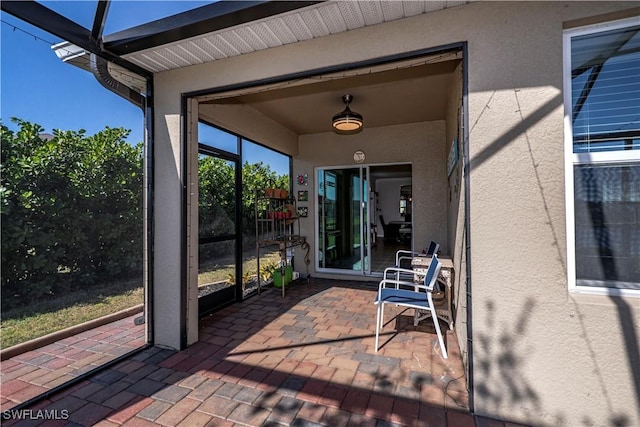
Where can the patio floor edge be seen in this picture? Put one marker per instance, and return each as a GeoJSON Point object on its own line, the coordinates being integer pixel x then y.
{"type": "Point", "coordinates": [70, 331]}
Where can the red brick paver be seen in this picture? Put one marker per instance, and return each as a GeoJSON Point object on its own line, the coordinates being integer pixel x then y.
{"type": "Point", "coordinates": [47, 367]}
{"type": "Point", "coordinates": [306, 359]}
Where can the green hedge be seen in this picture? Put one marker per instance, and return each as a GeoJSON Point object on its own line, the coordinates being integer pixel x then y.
{"type": "Point", "coordinates": [71, 209]}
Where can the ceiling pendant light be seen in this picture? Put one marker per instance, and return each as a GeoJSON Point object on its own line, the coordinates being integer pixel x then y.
{"type": "Point", "coordinates": [347, 121]}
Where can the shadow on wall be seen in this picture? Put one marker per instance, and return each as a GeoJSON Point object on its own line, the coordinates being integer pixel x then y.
{"type": "Point", "coordinates": [507, 361]}
{"type": "Point", "coordinates": [503, 359]}
{"type": "Point", "coordinates": [629, 328]}
{"type": "Point", "coordinates": [615, 420]}
{"type": "Point", "coordinates": [504, 356]}
{"type": "Point", "coordinates": [626, 318]}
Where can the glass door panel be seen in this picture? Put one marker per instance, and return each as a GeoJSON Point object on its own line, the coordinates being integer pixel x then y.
{"type": "Point", "coordinates": [340, 224]}
{"type": "Point", "coordinates": [364, 221]}
{"type": "Point", "coordinates": [217, 251]}
{"type": "Point", "coordinates": [326, 218]}
{"type": "Point", "coordinates": [349, 205]}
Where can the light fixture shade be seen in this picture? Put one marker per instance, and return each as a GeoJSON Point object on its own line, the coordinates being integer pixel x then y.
{"type": "Point", "coordinates": [347, 121]}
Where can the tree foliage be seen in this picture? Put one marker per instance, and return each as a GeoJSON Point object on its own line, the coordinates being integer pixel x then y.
{"type": "Point", "coordinates": [257, 177]}
{"type": "Point", "coordinates": [216, 193]}
{"type": "Point", "coordinates": [71, 209]}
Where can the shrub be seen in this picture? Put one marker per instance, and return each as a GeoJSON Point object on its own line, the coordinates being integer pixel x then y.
{"type": "Point", "coordinates": [71, 209]}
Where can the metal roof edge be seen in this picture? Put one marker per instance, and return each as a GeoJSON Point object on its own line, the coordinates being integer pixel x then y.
{"type": "Point", "coordinates": [195, 22]}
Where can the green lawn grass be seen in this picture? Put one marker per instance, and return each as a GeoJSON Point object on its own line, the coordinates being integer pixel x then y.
{"type": "Point", "coordinates": [50, 315]}
{"type": "Point", "coordinates": [45, 316]}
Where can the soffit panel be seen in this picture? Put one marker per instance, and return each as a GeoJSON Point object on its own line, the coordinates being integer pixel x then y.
{"type": "Point", "coordinates": [314, 21]}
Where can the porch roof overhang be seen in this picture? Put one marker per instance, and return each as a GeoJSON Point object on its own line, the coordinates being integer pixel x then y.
{"type": "Point", "coordinates": [226, 29]}
{"type": "Point", "coordinates": [218, 30]}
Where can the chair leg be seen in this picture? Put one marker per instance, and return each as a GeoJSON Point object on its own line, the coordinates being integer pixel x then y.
{"type": "Point", "coordinates": [440, 339]}
{"type": "Point", "coordinates": [378, 323]}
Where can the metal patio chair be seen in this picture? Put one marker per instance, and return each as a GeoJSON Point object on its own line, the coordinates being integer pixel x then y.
{"type": "Point", "coordinates": [403, 254]}
{"type": "Point", "coordinates": [409, 294]}
{"type": "Point", "coordinates": [404, 257]}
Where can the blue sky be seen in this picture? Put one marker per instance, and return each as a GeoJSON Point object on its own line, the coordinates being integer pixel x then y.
{"type": "Point", "coordinates": [38, 87]}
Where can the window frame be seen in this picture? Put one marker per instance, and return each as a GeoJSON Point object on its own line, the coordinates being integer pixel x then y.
{"type": "Point", "coordinates": [573, 159]}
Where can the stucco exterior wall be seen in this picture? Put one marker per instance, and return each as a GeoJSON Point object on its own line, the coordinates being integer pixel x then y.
{"type": "Point", "coordinates": [541, 355]}
{"type": "Point", "coordinates": [168, 202]}
{"type": "Point", "coordinates": [249, 123]}
{"type": "Point", "coordinates": [456, 238]}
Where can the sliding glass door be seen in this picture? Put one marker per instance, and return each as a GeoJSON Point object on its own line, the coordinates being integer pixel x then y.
{"type": "Point", "coordinates": [217, 234]}
{"type": "Point", "coordinates": [219, 201]}
{"type": "Point", "coordinates": [343, 226]}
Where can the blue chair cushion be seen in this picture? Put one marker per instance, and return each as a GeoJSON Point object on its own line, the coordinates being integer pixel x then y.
{"type": "Point", "coordinates": [403, 297]}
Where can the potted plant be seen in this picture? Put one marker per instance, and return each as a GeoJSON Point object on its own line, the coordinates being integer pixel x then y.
{"type": "Point", "coordinates": [231, 278]}
{"type": "Point", "coordinates": [270, 191]}
{"type": "Point", "coordinates": [266, 271]}
{"type": "Point", "coordinates": [278, 281]}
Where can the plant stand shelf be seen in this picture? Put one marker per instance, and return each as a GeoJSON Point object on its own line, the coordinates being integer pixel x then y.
{"type": "Point", "coordinates": [278, 225]}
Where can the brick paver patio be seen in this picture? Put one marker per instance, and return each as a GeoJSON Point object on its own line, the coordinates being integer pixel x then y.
{"type": "Point", "coordinates": [306, 360]}
{"type": "Point", "coordinates": [29, 374]}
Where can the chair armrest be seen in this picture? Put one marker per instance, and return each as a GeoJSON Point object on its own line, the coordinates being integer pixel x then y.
{"type": "Point", "coordinates": [397, 270]}
{"type": "Point", "coordinates": [407, 274]}
{"type": "Point", "coordinates": [403, 252]}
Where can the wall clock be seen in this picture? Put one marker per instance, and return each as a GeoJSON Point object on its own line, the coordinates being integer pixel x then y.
{"type": "Point", "coordinates": [358, 156]}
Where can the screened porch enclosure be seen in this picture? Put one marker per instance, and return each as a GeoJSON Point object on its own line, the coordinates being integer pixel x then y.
{"type": "Point", "coordinates": [403, 169]}
{"type": "Point", "coordinates": [231, 171]}
{"type": "Point", "coordinates": [416, 134]}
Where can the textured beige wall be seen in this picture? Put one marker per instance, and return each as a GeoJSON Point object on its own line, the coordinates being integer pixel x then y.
{"type": "Point", "coordinates": [234, 118]}
{"type": "Point", "coordinates": [540, 355]}
{"type": "Point", "coordinates": [456, 212]}
{"type": "Point", "coordinates": [389, 144]}
{"type": "Point", "coordinates": [167, 212]}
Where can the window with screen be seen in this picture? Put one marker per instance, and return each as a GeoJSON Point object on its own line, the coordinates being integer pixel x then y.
{"type": "Point", "coordinates": [602, 104]}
